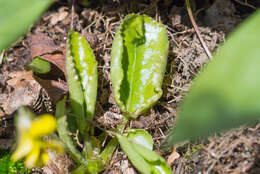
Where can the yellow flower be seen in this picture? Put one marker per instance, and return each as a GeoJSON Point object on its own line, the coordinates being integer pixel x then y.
{"type": "Point", "coordinates": [30, 143]}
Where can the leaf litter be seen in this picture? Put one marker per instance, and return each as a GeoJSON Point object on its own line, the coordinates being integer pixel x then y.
{"type": "Point", "coordinates": [231, 152]}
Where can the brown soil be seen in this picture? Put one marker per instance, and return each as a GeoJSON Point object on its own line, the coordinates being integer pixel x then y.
{"type": "Point", "coordinates": [236, 151]}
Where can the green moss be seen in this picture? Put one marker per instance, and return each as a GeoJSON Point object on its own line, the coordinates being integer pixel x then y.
{"type": "Point", "coordinates": [9, 167]}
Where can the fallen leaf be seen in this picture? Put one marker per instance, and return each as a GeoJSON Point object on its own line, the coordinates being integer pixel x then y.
{"type": "Point", "coordinates": [25, 91]}
{"type": "Point", "coordinates": [174, 155]}
{"type": "Point", "coordinates": [40, 44]}
{"type": "Point", "coordinates": [55, 89]}
{"type": "Point", "coordinates": [44, 47]}
{"type": "Point", "coordinates": [59, 16]}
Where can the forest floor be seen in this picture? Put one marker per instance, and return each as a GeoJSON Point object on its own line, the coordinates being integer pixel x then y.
{"type": "Point", "coordinates": [236, 151]}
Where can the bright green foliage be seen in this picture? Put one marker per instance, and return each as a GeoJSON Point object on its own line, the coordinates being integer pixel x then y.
{"type": "Point", "coordinates": [141, 137]}
{"type": "Point", "coordinates": [145, 160]}
{"type": "Point", "coordinates": [64, 132]}
{"type": "Point", "coordinates": [109, 150]}
{"type": "Point", "coordinates": [39, 65]}
{"type": "Point", "coordinates": [85, 65]}
{"type": "Point", "coordinates": [138, 60]}
{"type": "Point", "coordinates": [16, 16]}
{"type": "Point", "coordinates": [81, 68]}
{"type": "Point", "coordinates": [75, 89]}
{"type": "Point", "coordinates": [87, 163]}
{"type": "Point", "coordinates": [9, 167]}
{"type": "Point", "coordinates": [226, 93]}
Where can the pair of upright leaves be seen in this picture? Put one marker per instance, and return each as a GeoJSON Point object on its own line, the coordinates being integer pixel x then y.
{"type": "Point", "coordinates": [138, 61]}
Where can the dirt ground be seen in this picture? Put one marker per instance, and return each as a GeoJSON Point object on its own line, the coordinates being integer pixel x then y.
{"type": "Point", "coordinates": [236, 151]}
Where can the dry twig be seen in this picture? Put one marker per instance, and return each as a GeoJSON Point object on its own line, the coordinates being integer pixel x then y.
{"type": "Point", "coordinates": [197, 30]}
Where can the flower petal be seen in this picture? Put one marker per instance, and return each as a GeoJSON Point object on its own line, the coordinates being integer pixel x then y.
{"type": "Point", "coordinates": [44, 158]}
{"type": "Point", "coordinates": [23, 121]}
{"type": "Point", "coordinates": [43, 125]}
{"type": "Point", "coordinates": [33, 156]}
{"type": "Point", "coordinates": [24, 147]}
{"type": "Point", "coordinates": [55, 145]}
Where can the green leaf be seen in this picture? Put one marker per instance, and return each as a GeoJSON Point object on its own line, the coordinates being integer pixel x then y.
{"type": "Point", "coordinates": [39, 65]}
{"type": "Point", "coordinates": [141, 137]}
{"type": "Point", "coordinates": [145, 160]}
{"type": "Point", "coordinates": [226, 93]}
{"type": "Point", "coordinates": [138, 60]}
{"type": "Point", "coordinates": [108, 151]}
{"type": "Point", "coordinates": [16, 16]}
{"type": "Point", "coordinates": [64, 132]}
{"type": "Point", "coordinates": [95, 166]}
{"type": "Point", "coordinates": [85, 66]}
{"type": "Point", "coordinates": [75, 89]}
{"type": "Point", "coordinates": [138, 161]}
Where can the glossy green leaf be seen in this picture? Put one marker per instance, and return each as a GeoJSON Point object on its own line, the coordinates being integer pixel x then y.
{"type": "Point", "coordinates": [226, 93]}
{"type": "Point", "coordinates": [64, 132]}
{"type": "Point", "coordinates": [75, 89]}
{"type": "Point", "coordinates": [157, 163]}
{"type": "Point", "coordinates": [16, 16]}
{"type": "Point", "coordinates": [85, 66]}
{"type": "Point", "coordinates": [138, 161]}
{"type": "Point", "coordinates": [141, 137]}
{"type": "Point", "coordinates": [145, 160]}
{"type": "Point", "coordinates": [138, 60]}
{"type": "Point", "coordinates": [39, 65]}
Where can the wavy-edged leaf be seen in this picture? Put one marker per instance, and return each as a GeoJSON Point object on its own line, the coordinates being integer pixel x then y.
{"type": "Point", "coordinates": [145, 160]}
{"type": "Point", "coordinates": [75, 90]}
{"type": "Point", "coordinates": [64, 132]}
{"type": "Point", "coordinates": [138, 60]}
{"type": "Point", "coordinates": [86, 68]}
{"type": "Point", "coordinates": [141, 137]}
{"type": "Point", "coordinates": [226, 93]}
{"type": "Point", "coordinates": [16, 16]}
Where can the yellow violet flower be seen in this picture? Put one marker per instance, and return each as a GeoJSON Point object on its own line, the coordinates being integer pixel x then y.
{"type": "Point", "coordinates": [30, 144]}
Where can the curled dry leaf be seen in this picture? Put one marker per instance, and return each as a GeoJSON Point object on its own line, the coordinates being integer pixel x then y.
{"type": "Point", "coordinates": [44, 47]}
{"type": "Point", "coordinates": [59, 16]}
{"type": "Point", "coordinates": [173, 156]}
{"type": "Point", "coordinates": [55, 89]}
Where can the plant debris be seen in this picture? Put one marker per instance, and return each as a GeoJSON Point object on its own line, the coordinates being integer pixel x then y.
{"type": "Point", "coordinates": [236, 151]}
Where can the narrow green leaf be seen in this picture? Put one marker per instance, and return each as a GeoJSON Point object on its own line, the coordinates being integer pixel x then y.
{"type": "Point", "coordinates": [140, 164]}
{"type": "Point", "coordinates": [107, 153]}
{"type": "Point", "coordinates": [145, 160]}
{"type": "Point", "coordinates": [141, 137]}
{"type": "Point", "coordinates": [75, 89]}
{"type": "Point", "coordinates": [64, 132]}
{"type": "Point", "coordinates": [157, 163]}
{"type": "Point", "coordinates": [39, 65]}
{"type": "Point", "coordinates": [16, 16]}
{"type": "Point", "coordinates": [86, 69]}
{"type": "Point", "coordinates": [138, 60]}
{"type": "Point", "coordinates": [226, 93]}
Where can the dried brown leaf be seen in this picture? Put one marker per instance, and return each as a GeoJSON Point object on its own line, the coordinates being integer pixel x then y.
{"type": "Point", "coordinates": [44, 47]}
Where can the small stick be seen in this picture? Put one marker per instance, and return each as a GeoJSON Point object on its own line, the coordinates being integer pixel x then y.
{"type": "Point", "coordinates": [72, 15]}
{"type": "Point", "coordinates": [197, 30]}
{"type": "Point", "coordinates": [246, 4]}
